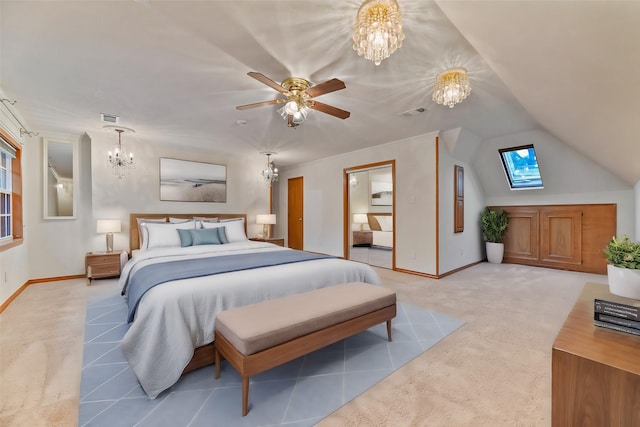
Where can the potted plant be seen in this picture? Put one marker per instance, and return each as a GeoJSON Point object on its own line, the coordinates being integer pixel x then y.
{"type": "Point", "coordinates": [494, 225]}
{"type": "Point", "coordinates": [623, 270]}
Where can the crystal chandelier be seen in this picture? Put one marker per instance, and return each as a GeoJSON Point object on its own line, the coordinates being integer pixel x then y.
{"type": "Point", "coordinates": [378, 32]}
{"type": "Point", "coordinates": [118, 159]}
{"type": "Point", "coordinates": [270, 173]}
{"type": "Point", "coordinates": [451, 87]}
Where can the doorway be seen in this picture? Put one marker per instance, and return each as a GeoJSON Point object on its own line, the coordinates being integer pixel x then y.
{"type": "Point", "coordinates": [295, 211]}
{"type": "Point", "coordinates": [370, 214]}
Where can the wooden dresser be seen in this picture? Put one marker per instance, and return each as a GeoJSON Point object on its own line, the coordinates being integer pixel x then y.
{"type": "Point", "coordinates": [595, 372]}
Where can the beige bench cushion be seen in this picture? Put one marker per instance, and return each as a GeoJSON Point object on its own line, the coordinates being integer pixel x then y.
{"type": "Point", "coordinates": [256, 327]}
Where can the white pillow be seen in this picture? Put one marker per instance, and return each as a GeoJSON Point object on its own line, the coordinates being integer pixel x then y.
{"type": "Point", "coordinates": [233, 229]}
{"type": "Point", "coordinates": [165, 235]}
{"type": "Point", "coordinates": [142, 237]}
{"type": "Point", "coordinates": [386, 222]}
{"type": "Point", "coordinates": [178, 220]}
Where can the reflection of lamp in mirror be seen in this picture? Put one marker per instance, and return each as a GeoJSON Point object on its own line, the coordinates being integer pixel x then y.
{"type": "Point", "coordinates": [109, 226]}
{"type": "Point", "coordinates": [360, 218]}
{"type": "Point", "coordinates": [266, 220]}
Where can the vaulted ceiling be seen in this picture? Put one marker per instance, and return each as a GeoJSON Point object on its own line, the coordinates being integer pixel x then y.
{"type": "Point", "coordinates": [175, 70]}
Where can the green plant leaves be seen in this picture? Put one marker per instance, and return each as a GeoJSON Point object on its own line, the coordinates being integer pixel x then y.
{"type": "Point", "coordinates": [494, 224]}
{"type": "Point", "coordinates": [623, 252]}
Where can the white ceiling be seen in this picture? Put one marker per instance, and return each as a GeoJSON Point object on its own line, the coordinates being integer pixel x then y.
{"type": "Point", "coordinates": [175, 70]}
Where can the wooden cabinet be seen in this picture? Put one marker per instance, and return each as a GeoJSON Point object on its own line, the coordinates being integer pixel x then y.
{"type": "Point", "coordinates": [100, 265]}
{"type": "Point", "coordinates": [275, 241]}
{"type": "Point", "coordinates": [569, 237]}
{"type": "Point", "coordinates": [595, 372]}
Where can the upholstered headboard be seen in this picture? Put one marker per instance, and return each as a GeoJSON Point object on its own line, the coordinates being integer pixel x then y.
{"type": "Point", "coordinates": [134, 236]}
{"type": "Point", "coordinates": [373, 222]}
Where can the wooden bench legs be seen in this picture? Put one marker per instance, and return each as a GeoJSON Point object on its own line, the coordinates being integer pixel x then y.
{"type": "Point", "coordinates": [249, 365]}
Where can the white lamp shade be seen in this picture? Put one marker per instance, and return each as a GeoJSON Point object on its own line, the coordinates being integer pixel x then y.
{"type": "Point", "coordinates": [266, 219]}
{"type": "Point", "coordinates": [360, 218]}
{"type": "Point", "coordinates": [109, 226]}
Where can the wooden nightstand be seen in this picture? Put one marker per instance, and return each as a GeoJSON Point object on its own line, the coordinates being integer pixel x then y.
{"type": "Point", "coordinates": [362, 238]}
{"type": "Point", "coordinates": [99, 265]}
{"type": "Point", "coordinates": [275, 241]}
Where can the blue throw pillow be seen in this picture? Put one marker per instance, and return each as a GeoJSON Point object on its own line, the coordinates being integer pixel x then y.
{"type": "Point", "coordinates": [222, 235]}
{"type": "Point", "coordinates": [205, 236]}
{"type": "Point", "coordinates": [185, 237]}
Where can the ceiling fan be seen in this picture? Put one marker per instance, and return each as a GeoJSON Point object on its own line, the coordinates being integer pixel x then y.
{"type": "Point", "coordinates": [299, 98]}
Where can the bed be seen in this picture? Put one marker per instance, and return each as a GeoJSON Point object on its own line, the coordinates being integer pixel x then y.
{"type": "Point", "coordinates": [171, 331]}
{"type": "Point", "coordinates": [381, 225]}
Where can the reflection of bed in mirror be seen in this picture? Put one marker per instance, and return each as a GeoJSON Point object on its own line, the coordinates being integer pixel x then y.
{"type": "Point", "coordinates": [381, 225]}
{"type": "Point", "coordinates": [172, 328]}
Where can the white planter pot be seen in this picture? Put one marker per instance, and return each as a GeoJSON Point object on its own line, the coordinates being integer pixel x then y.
{"type": "Point", "coordinates": [495, 251]}
{"type": "Point", "coordinates": [624, 282]}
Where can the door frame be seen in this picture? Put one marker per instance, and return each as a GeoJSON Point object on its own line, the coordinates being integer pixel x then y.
{"type": "Point", "coordinates": [346, 220]}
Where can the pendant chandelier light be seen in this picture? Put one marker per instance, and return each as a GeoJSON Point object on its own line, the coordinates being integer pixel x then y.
{"type": "Point", "coordinates": [451, 87]}
{"type": "Point", "coordinates": [270, 173]}
{"type": "Point", "coordinates": [118, 160]}
{"type": "Point", "coordinates": [378, 31]}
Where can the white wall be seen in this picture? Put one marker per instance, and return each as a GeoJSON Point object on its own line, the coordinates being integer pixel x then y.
{"type": "Point", "coordinates": [568, 177]}
{"type": "Point", "coordinates": [139, 191]}
{"type": "Point", "coordinates": [458, 249]}
{"type": "Point", "coordinates": [415, 195]}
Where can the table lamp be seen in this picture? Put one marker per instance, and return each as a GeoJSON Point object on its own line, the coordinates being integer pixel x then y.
{"type": "Point", "coordinates": [266, 220]}
{"type": "Point", "coordinates": [360, 218]}
{"type": "Point", "coordinates": [109, 226]}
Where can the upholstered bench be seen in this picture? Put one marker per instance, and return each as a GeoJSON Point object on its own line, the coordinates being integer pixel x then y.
{"type": "Point", "coordinates": [261, 336]}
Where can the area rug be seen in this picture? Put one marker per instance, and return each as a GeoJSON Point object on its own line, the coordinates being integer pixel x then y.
{"type": "Point", "coordinates": [299, 393]}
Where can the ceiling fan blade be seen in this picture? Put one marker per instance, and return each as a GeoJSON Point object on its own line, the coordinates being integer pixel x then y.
{"type": "Point", "coordinates": [260, 104]}
{"type": "Point", "coordinates": [266, 80]}
{"type": "Point", "coordinates": [325, 87]}
{"type": "Point", "coordinates": [328, 109]}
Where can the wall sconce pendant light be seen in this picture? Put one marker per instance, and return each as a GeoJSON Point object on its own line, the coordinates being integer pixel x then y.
{"type": "Point", "coordinates": [451, 87]}
{"type": "Point", "coordinates": [118, 159]}
{"type": "Point", "coordinates": [270, 173]}
{"type": "Point", "coordinates": [378, 31]}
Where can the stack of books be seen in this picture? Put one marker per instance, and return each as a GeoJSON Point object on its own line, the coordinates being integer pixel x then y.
{"type": "Point", "coordinates": [617, 316]}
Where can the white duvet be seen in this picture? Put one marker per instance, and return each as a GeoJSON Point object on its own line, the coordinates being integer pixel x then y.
{"type": "Point", "coordinates": [176, 317]}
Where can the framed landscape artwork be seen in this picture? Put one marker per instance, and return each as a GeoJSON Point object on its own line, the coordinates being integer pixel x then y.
{"type": "Point", "coordinates": [187, 181]}
{"type": "Point", "coordinates": [381, 193]}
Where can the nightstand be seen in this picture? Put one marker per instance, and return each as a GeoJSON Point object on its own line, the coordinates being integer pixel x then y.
{"type": "Point", "coordinates": [362, 238]}
{"type": "Point", "coordinates": [275, 241]}
{"type": "Point", "coordinates": [100, 265]}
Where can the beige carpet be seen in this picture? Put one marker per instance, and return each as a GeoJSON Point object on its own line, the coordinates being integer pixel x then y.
{"type": "Point", "coordinates": [494, 371]}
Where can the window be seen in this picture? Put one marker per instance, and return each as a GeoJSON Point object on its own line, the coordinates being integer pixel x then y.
{"type": "Point", "coordinates": [10, 192]}
{"type": "Point", "coordinates": [521, 167]}
{"type": "Point", "coordinates": [5, 189]}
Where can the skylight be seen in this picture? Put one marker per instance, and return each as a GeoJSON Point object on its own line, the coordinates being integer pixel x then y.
{"type": "Point", "coordinates": [521, 167]}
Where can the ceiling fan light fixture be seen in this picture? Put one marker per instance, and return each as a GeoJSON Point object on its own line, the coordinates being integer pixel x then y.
{"type": "Point", "coordinates": [292, 107]}
{"type": "Point", "coordinates": [451, 87]}
{"type": "Point", "coordinates": [378, 30]}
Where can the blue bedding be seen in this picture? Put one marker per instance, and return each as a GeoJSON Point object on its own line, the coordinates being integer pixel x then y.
{"type": "Point", "coordinates": [151, 275]}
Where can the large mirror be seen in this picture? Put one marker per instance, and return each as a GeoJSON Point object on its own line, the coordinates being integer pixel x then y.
{"type": "Point", "coordinates": [60, 172]}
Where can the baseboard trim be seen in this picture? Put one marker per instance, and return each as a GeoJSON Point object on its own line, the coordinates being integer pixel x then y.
{"type": "Point", "coordinates": [18, 291]}
{"type": "Point", "coordinates": [437, 276]}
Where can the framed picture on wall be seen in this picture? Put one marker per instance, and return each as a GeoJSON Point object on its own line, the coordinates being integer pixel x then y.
{"type": "Point", "coordinates": [381, 193]}
{"type": "Point", "coordinates": [187, 181]}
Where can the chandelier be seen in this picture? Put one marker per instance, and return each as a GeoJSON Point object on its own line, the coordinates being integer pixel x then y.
{"type": "Point", "coordinates": [118, 159]}
{"type": "Point", "coordinates": [451, 87]}
{"type": "Point", "coordinates": [378, 32]}
{"type": "Point", "coordinates": [270, 173]}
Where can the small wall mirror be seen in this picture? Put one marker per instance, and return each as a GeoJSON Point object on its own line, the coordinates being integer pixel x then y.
{"type": "Point", "coordinates": [60, 172]}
